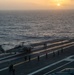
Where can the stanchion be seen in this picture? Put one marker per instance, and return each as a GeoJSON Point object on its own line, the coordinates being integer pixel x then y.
{"type": "Point", "coordinates": [25, 58]}
{"type": "Point", "coordinates": [45, 45]}
{"type": "Point", "coordinates": [46, 55]}
{"type": "Point", "coordinates": [58, 52]}
{"type": "Point", "coordinates": [38, 58]}
{"type": "Point", "coordinates": [29, 58]}
{"type": "Point", "coordinates": [62, 50]}
{"type": "Point", "coordinates": [53, 54]}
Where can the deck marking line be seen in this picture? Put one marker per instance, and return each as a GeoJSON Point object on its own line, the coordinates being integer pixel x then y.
{"type": "Point", "coordinates": [57, 68]}
{"type": "Point", "coordinates": [27, 61]}
{"type": "Point", "coordinates": [46, 67]}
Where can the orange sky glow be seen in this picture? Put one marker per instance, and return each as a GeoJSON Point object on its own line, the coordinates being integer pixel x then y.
{"type": "Point", "coordinates": [36, 4]}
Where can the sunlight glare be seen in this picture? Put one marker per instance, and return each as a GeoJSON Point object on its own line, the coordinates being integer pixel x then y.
{"type": "Point", "coordinates": [58, 4]}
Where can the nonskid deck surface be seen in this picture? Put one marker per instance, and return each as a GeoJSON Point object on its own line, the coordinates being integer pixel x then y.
{"type": "Point", "coordinates": [38, 60]}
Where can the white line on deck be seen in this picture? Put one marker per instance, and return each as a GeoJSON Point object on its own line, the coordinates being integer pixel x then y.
{"type": "Point", "coordinates": [58, 68]}
{"type": "Point", "coordinates": [8, 57]}
{"type": "Point", "coordinates": [31, 59]}
{"type": "Point", "coordinates": [46, 67]}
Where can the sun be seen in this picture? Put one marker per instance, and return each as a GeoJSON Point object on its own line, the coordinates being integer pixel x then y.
{"type": "Point", "coordinates": [58, 4]}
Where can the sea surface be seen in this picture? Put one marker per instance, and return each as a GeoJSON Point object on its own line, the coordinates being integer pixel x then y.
{"type": "Point", "coordinates": [35, 26]}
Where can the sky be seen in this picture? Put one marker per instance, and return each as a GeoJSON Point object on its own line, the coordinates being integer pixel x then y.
{"type": "Point", "coordinates": [36, 4]}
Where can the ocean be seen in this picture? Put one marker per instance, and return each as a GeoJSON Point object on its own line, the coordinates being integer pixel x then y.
{"type": "Point", "coordinates": [35, 26]}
